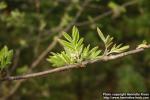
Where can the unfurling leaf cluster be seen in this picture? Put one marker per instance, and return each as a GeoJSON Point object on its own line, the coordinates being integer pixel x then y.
{"type": "Point", "coordinates": [75, 51]}
{"type": "Point", "coordinates": [110, 46]}
{"type": "Point", "coordinates": [5, 57]}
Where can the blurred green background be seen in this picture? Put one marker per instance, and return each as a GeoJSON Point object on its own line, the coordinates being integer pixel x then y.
{"type": "Point", "coordinates": [29, 26]}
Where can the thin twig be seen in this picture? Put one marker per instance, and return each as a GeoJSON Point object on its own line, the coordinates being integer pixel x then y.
{"type": "Point", "coordinates": [105, 14]}
{"type": "Point", "coordinates": [59, 69]}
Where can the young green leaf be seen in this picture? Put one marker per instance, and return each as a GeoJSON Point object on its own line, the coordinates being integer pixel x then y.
{"type": "Point", "coordinates": [108, 41]}
{"type": "Point", "coordinates": [80, 43]}
{"type": "Point", "coordinates": [67, 44]}
{"type": "Point", "coordinates": [75, 34]}
{"type": "Point", "coordinates": [67, 36]}
{"type": "Point", "coordinates": [85, 52]}
{"type": "Point", "coordinates": [94, 53]}
{"type": "Point", "coordinates": [101, 34]}
{"type": "Point", "coordinates": [56, 59]}
{"type": "Point", "coordinates": [118, 48]}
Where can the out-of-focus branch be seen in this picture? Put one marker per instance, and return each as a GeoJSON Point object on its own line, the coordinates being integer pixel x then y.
{"type": "Point", "coordinates": [105, 14]}
{"type": "Point", "coordinates": [16, 60]}
{"type": "Point", "coordinates": [78, 65]}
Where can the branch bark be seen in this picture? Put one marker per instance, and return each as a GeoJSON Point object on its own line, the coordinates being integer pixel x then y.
{"type": "Point", "coordinates": [78, 65]}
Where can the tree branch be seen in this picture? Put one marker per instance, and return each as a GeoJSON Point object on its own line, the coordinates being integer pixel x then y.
{"type": "Point", "coordinates": [78, 65]}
